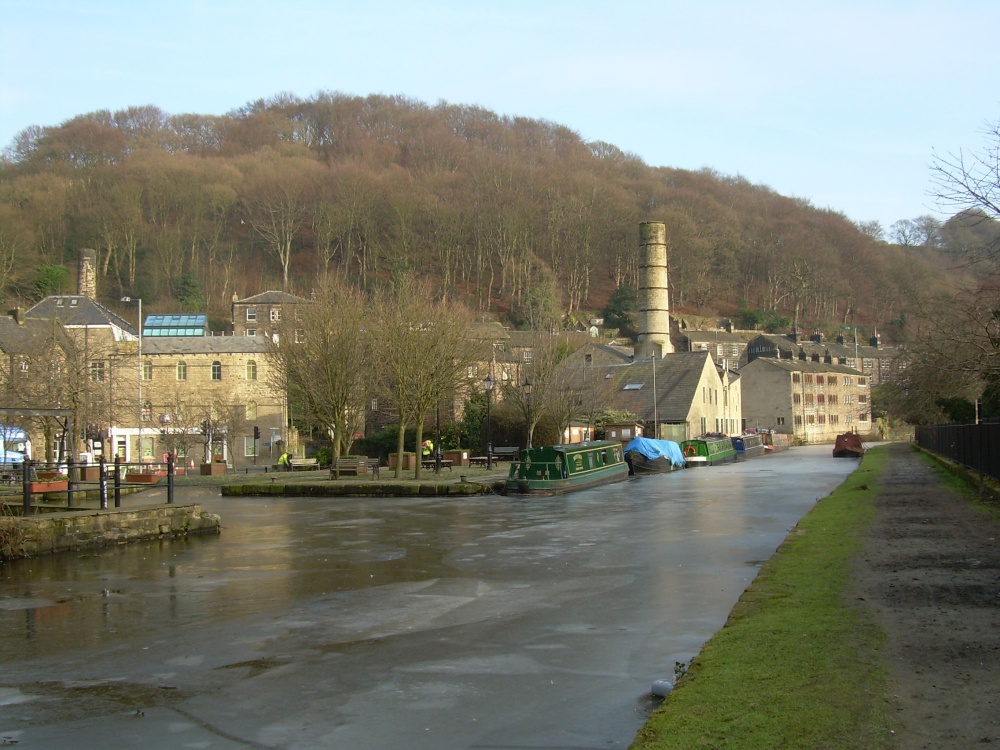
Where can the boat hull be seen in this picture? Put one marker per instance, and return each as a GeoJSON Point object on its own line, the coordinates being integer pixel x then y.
{"type": "Point", "coordinates": [556, 469]}
{"type": "Point", "coordinates": [848, 445]}
{"type": "Point", "coordinates": [642, 465]}
{"type": "Point", "coordinates": [708, 451]}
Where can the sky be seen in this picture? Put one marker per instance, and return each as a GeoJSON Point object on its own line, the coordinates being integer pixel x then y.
{"type": "Point", "coordinates": [843, 104]}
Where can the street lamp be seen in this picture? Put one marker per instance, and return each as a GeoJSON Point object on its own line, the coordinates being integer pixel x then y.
{"type": "Point", "coordinates": [527, 394]}
{"type": "Point", "coordinates": [139, 301]}
{"type": "Point", "coordinates": [488, 385]}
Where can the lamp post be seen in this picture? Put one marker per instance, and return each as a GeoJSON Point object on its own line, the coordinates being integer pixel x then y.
{"type": "Point", "coordinates": [527, 394]}
{"type": "Point", "coordinates": [139, 301]}
{"type": "Point", "coordinates": [488, 385]}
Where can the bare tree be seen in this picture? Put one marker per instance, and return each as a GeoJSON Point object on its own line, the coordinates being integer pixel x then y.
{"type": "Point", "coordinates": [324, 361]}
{"type": "Point", "coordinates": [970, 182]}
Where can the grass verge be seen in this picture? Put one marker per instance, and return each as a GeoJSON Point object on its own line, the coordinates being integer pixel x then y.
{"type": "Point", "coordinates": [796, 665]}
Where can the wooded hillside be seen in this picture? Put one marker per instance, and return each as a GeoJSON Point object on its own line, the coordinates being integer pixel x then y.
{"type": "Point", "coordinates": [516, 216]}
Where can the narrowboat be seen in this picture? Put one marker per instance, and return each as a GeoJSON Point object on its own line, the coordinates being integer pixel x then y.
{"type": "Point", "coordinates": [554, 469]}
{"type": "Point", "coordinates": [749, 445]}
{"type": "Point", "coordinates": [708, 451]}
{"type": "Point", "coordinates": [649, 456]}
{"type": "Point", "coordinates": [848, 445]}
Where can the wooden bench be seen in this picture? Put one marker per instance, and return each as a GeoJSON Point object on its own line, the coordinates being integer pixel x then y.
{"type": "Point", "coordinates": [303, 464]}
{"type": "Point", "coordinates": [477, 461]}
{"type": "Point", "coordinates": [506, 453]}
{"type": "Point", "coordinates": [431, 463]}
{"type": "Point", "coordinates": [356, 465]}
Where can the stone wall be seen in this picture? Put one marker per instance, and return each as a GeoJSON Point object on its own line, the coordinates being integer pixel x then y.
{"type": "Point", "coordinates": [76, 530]}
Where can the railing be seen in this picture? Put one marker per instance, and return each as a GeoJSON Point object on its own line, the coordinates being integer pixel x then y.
{"type": "Point", "coordinates": [109, 479]}
{"type": "Point", "coordinates": [975, 446]}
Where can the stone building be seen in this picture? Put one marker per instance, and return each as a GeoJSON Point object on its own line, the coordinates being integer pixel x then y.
{"type": "Point", "coordinates": [264, 314]}
{"type": "Point", "coordinates": [871, 358]}
{"type": "Point", "coordinates": [812, 401]}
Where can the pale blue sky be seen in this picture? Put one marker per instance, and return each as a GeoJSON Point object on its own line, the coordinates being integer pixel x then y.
{"type": "Point", "coordinates": [839, 103]}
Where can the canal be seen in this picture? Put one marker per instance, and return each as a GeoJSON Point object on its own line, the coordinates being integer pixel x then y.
{"type": "Point", "coordinates": [479, 622]}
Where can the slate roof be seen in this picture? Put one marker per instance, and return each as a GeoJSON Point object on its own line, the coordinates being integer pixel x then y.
{"type": "Point", "coordinates": [29, 338]}
{"type": "Point", "coordinates": [74, 310]}
{"type": "Point", "coordinates": [787, 347]}
{"type": "Point", "coordinates": [801, 365]}
{"type": "Point", "coordinates": [204, 345]}
{"type": "Point", "coordinates": [677, 378]}
{"type": "Point", "coordinates": [273, 298]}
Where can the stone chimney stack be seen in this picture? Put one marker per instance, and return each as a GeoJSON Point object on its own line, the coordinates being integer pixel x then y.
{"type": "Point", "coordinates": [654, 304]}
{"type": "Point", "coordinates": [86, 279]}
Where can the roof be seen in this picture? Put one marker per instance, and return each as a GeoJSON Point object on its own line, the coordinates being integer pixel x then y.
{"type": "Point", "coordinates": [273, 298]}
{"type": "Point", "coordinates": [26, 338]}
{"type": "Point", "coordinates": [174, 325]}
{"type": "Point", "coordinates": [786, 345]}
{"type": "Point", "coordinates": [205, 345]}
{"type": "Point", "coordinates": [720, 336]}
{"type": "Point", "coordinates": [677, 378]}
{"type": "Point", "coordinates": [76, 311]}
{"type": "Point", "coordinates": [799, 365]}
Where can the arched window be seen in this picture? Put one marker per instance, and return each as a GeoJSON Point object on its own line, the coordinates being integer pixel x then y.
{"type": "Point", "coordinates": [147, 370]}
{"type": "Point", "coordinates": [182, 371]}
{"type": "Point", "coordinates": [251, 370]}
{"type": "Point", "coordinates": [216, 370]}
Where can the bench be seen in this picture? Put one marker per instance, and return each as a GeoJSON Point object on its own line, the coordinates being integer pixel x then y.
{"type": "Point", "coordinates": [303, 464]}
{"type": "Point", "coordinates": [506, 453]}
{"type": "Point", "coordinates": [356, 465]}
{"type": "Point", "coordinates": [430, 463]}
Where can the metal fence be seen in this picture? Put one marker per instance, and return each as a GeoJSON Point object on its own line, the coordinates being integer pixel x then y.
{"type": "Point", "coordinates": [975, 446]}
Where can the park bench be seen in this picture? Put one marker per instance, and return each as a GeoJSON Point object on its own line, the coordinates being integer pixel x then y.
{"type": "Point", "coordinates": [303, 464]}
{"type": "Point", "coordinates": [506, 453]}
{"type": "Point", "coordinates": [356, 465]}
{"type": "Point", "coordinates": [430, 463]}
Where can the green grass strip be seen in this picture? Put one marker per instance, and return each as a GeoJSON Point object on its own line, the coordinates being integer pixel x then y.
{"type": "Point", "coordinates": [797, 664]}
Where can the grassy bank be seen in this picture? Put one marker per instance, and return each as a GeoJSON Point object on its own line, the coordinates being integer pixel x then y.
{"type": "Point", "coordinates": [795, 665]}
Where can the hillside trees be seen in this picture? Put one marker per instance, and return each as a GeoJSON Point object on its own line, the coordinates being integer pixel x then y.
{"type": "Point", "coordinates": [506, 212]}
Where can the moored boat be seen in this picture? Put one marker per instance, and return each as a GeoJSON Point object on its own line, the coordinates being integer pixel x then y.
{"type": "Point", "coordinates": [649, 456]}
{"type": "Point", "coordinates": [708, 450]}
{"type": "Point", "coordinates": [749, 445]}
{"type": "Point", "coordinates": [848, 445]}
{"type": "Point", "coordinates": [554, 469]}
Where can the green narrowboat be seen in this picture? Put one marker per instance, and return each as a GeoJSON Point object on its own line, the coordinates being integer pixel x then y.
{"type": "Point", "coordinates": [708, 451]}
{"type": "Point", "coordinates": [554, 469]}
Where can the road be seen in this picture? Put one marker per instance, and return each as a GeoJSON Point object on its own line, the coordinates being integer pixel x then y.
{"type": "Point", "coordinates": [488, 622]}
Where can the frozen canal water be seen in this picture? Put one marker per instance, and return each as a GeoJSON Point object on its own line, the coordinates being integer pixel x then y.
{"type": "Point", "coordinates": [482, 622]}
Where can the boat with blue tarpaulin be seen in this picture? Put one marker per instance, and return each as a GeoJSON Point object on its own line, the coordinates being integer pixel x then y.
{"type": "Point", "coordinates": [554, 469]}
{"type": "Point", "coordinates": [650, 456]}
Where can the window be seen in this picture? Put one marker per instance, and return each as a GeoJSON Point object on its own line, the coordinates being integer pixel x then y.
{"type": "Point", "coordinates": [820, 398]}
{"type": "Point", "coordinates": [251, 314]}
{"type": "Point", "coordinates": [810, 419]}
{"type": "Point", "coordinates": [588, 359]}
{"type": "Point", "coordinates": [374, 404]}
{"type": "Point", "coordinates": [796, 398]}
{"type": "Point", "coordinates": [834, 419]}
{"type": "Point", "coordinates": [24, 365]}
{"type": "Point", "coordinates": [251, 410]}
{"type": "Point", "coordinates": [275, 314]}
{"type": "Point", "coordinates": [216, 370]}
{"type": "Point", "coordinates": [848, 398]}
{"type": "Point", "coordinates": [809, 378]}
{"type": "Point", "coordinates": [251, 371]}
{"type": "Point", "coordinates": [300, 335]}
{"type": "Point", "coordinates": [182, 371]}
{"type": "Point", "coordinates": [528, 356]}
{"type": "Point", "coordinates": [147, 370]}
{"type": "Point", "coordinates": [97, 372]}
{"type": "Point", "coordinates": [831, 380]}
{"type": "Point", "coordinates": [848, 380]}
{"type": "Point", "coordinates": [847, 419]}
{"type": "Point", "coordinates": [470, 371]}
{"type": "Point", "coordinates": [862, 381]}
{"type": "Point", "coordinates": [249, 446]}
{"type": "Point", "coordinates": [862, 398]}
{"type": "Point", "coordinates": [633, 387]}
{"type": "Point", "coordinates": [796, 377]}
{"type": "Point", "coordinates": [251, 331]}
{"type": "Point", "coordinates": [809, 399]}
{"type": "Point", "coordinates": [819, 380]}
{"type": "Point", "coordinates": [798, 419]}
{"type": "Point", "coordinates": [779, 421]}
{"type": "Point", "coordinates": [821, 418]}
{"type": "Point", "coordinates": [832, 398]}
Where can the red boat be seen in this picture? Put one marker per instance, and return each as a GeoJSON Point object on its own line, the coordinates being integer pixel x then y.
{"type": "Point", "coordinates": [848, 445]}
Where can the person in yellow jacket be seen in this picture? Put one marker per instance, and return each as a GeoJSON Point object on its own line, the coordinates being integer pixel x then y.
{"type": "Point", "coordinates": [427, 449]}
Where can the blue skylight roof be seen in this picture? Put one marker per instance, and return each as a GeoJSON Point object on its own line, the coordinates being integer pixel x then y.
{"type": "Point", "coordinates": [175, 325]}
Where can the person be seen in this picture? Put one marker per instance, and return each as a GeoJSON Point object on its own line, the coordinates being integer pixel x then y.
{"type": "Point", "coordinates": [428, 449]}
{"type": "Point", "coordinates": [284, 462]}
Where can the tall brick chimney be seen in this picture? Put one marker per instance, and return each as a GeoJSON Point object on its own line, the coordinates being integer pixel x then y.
{"type": "Point", "coordinates": [86, 279]}
{"type": "Point", "coordinates": [654, 305]}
